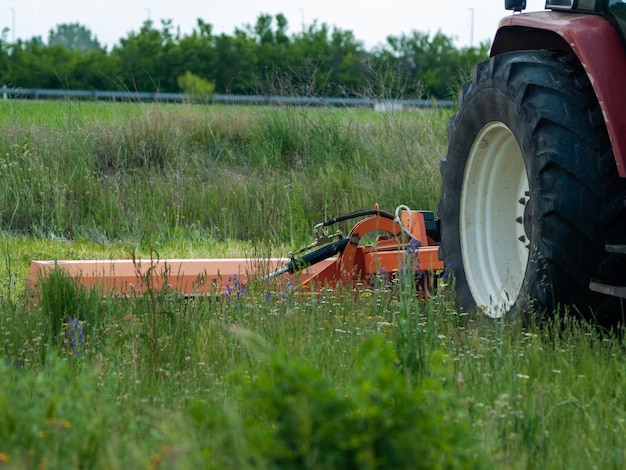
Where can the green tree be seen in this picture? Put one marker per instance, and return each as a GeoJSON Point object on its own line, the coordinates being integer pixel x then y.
{"type": "Point", "coordinates": [258, 58]}
{"type": "Point", "coordinates": [195, 53]}
{"type": "Point", "coordinates": [272, 43]}
{"type": "Point", "coordinates": [330, 61]}
{"type": "Point", "coordinates": [95, 71]}
{"type": "Point", "coordinates": [4, 56]}
{"type": "Point", "coordinates": [346, 62]}
{"type": "Point", "coordinates": [143, 59]}
{"type": "Point", "coordinates": [73, 36]}
{"type": "Point", "coordinates": [32, 64]}
{"type": "Point", "coordinates": [236, 63]}
{"type": "Point", "coordinates": [429, 62]}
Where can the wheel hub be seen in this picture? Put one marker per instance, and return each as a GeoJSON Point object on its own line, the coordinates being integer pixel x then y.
{"type": "Point", "coordinates": [495, 220]}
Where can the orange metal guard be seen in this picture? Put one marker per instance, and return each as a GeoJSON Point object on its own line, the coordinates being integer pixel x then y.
{"type": "Point", "coordinates": [359, 264]}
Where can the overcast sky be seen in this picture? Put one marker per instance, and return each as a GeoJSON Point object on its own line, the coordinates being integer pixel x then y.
{"type": "Point", "coordinates": [371, 22]}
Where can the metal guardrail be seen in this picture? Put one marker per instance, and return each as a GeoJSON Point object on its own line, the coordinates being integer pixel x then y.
{"type": "Point", "coordinates": [38, 93]}
{"type": "Point", "coordinates": [142, 96]}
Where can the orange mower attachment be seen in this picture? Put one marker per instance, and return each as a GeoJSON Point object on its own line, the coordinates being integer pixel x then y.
{"type": "Point", "coordinates": [330, 261]}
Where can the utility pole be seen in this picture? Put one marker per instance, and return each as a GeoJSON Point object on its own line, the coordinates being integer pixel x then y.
{"type": "Point", "coordinates": [302, 18]}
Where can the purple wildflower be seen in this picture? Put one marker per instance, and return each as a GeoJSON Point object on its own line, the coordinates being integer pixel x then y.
{"type": "Point", "coordinates": [75, 335]}
{"type": "Point", "coordinates": [237, 288]}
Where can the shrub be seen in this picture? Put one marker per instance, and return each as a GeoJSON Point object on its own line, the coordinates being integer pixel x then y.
{"type": "Point", "coordinates": [382, 419]}
{"type": "Point", "coordinates": [198, 89]}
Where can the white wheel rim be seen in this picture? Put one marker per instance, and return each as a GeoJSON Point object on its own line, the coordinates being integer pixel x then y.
{"type": "Point", "coordinates": [494, 245]}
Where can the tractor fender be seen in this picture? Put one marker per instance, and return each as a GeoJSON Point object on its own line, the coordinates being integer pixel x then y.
{"type": "Point", "coordinates": [598, 47]}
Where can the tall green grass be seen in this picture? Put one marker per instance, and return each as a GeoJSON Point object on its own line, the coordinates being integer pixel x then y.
{"type": "Point", "coordinates": [263, 377]}
{"type": "Point", "coordinates": [270, 379]}
{"type": "Point", "coordinates": [244, 174]}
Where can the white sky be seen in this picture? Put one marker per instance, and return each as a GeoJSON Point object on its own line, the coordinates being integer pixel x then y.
{"type": "Point", "coordinates": [371, 22]}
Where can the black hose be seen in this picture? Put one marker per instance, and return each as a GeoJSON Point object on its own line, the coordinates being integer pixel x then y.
{"type": "Point", "coordinates": [316, 256]}
{"type": "Point", "coordinates": [357, 214]}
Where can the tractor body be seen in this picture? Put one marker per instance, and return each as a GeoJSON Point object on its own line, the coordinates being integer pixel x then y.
{"type": "Point", "coordinates": [532, 208]}
{"type": "Point", "coordinates": [598, 43]}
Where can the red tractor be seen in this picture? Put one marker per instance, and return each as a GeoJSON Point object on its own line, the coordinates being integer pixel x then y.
{"type": "Point", "coordinates": [533, 208]}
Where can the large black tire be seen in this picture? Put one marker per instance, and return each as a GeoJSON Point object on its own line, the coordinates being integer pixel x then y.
{"type": "Point", "coordinates": [530, 188]}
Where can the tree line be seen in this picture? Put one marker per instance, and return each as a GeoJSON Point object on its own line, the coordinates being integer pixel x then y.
{"type": "Point", "coordinates": [255, 59]}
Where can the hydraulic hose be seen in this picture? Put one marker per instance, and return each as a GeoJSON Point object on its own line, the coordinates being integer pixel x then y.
{"type": "Point", "coordinates": [355, 215]}
{"type": "Point", "coordinates": [298, 264]}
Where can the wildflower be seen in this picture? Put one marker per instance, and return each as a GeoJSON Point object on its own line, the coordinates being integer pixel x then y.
{"type": "Point", "coordinates": [76, 335]}
{"type": "Point", "coordinates": [289, 289]}
{"type": "Point", "coordinates": [523, 376]}
{"type": "Point", "coordinates": [448, 270]}
{"type": "Point", "coordinates": [413, 248]}
{"type": "Point", "coordinates": [411, 266]}
{"type": "Point", "coordinates": [237, 287]}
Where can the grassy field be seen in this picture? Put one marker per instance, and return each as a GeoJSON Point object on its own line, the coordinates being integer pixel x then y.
{"type": "Point", "coordinates": [263, 377]}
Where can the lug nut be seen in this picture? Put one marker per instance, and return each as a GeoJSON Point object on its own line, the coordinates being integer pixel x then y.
{"type": "Point", "coordinates": [522, 238]}
{"type": "Point", "coordinates": [522, 200]}
{"type": "Point", "coordinates": [519, 220]}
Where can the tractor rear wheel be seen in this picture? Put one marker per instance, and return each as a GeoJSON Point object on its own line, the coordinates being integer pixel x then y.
{"type": "Point", "coordinates": [530, 187]}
